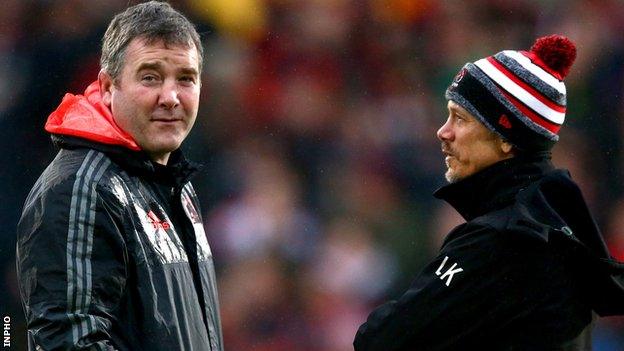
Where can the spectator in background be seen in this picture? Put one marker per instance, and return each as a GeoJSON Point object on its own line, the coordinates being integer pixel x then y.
{"type": "Point", "coordinates": [529, 267]}
{"type": "Point", "coordinates": [112, 252]}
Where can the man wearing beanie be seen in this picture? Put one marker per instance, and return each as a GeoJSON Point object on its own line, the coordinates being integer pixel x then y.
{"type": "Point", "coordinates": [529, 268]}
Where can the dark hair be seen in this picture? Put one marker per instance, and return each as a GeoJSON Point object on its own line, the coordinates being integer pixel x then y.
{"type": "Point", "coordinates": [153, 21]}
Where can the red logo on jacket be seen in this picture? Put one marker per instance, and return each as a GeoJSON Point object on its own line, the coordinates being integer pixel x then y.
{"type": "Point", "coordinates": [157, 223]}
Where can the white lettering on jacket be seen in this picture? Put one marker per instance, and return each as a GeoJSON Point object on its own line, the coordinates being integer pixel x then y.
{"type": "Point", "coordinates": [449, 273]}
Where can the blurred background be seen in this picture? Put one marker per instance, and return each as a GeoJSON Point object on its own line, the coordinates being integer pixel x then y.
{"type": "Point", "coordinates": [317, 131]}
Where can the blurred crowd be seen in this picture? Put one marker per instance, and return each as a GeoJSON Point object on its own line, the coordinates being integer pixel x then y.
{"type": "Point", "coordinates": [317, 135]}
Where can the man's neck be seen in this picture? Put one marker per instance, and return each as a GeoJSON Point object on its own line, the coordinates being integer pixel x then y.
{"type": "Point", "coordinates": [160, 158]}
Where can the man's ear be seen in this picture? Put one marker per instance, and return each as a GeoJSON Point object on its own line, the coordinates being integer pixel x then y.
{"type": "Point", "coordinates": [106, 87]}
{"type": "Point", "coordinates": [506, 148]}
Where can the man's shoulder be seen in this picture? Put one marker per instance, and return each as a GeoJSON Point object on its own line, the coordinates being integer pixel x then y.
{"type": "Point", "coordinates": [74, 181]}
{"type": "Point", "coordinates": [495, 240]}
{"type": "Point", "coordinates": [497, 221]}
{"type": "Point", "coordinates": [539, 209]}
{"type": "Point", "coordinates": [75, 170]}
{"type": "Point", "coordinates": [500, 229]}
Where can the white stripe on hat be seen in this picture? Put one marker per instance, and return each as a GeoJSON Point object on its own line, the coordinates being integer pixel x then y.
{"type": "Point", "coordinates": [536, 70]}
{"type": "Point", "coordinates": [519, 93]}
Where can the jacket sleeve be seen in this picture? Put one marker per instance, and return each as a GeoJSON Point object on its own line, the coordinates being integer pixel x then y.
{"type": "Point", "coordinates": [71, 260]}
{"type": "Point", "coordinates": [474, 285]}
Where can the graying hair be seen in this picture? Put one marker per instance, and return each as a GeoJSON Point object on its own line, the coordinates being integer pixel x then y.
{"type": "Point", "coordinates": [152, 21]}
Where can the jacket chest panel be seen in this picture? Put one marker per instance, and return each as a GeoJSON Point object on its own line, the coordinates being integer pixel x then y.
{"type": "Point", "coordinates": [158, 235]}
{"type": "Point", "coordinates": [157, 238]}
{"type": "Point", "coordinates": [155, 233]}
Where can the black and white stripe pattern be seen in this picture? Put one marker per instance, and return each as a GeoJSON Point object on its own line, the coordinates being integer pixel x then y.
{"type": "Point", "coordinates": [536, 70]}
{"type": "Point", "coordinates": [483, 78]}
{"type": "Point", "coordinates": [556, 94]}
{"type": "Point", "coordinates": [80, 243]}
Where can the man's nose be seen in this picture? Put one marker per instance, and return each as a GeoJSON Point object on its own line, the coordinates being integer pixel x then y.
{"type": "Point", "coordinates": [445, 132]}
{"type": "Point", "coordinates": [169, 98]}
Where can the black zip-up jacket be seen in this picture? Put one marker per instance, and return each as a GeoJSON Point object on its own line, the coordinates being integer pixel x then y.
{"type": "Point", "coordinates": [112, 254]}
{"type": "Point", "coordinates": [524, 272]}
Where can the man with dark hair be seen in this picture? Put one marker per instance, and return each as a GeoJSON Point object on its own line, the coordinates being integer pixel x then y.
{"type": "Point", "coordinates": [529, 267]}
{"type": "Point", "coordinates": [111, 252]}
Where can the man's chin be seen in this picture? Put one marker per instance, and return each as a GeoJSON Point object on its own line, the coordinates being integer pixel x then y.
{"type": "Point", "coordinates": [162, 148]}
{"type": "Point", "coordinates": [162, 145]}
{"type": "Point", "coordinates": [452, 176]}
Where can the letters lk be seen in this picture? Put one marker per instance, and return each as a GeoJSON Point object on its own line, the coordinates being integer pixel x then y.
{"type": "Point", "coordinates": [449, 272]}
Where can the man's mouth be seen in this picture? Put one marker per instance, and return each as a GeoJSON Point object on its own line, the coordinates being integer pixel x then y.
{"type": "Point", "coordinates": [447, 160]}
{"type": "Point", "coordinates": [446, 151]}
{"type": "Point", "coordinates": [166, 116]}
{"type": "Point", "coordinates": [166, 120]}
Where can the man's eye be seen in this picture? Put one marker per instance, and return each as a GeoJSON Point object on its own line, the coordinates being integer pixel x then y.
{"type": "Point", "coordinates": [188, 79]}
{"type": "Point", "coordinates": [461, 119]}
{"type": "Point", "coordinates": [149, 78]}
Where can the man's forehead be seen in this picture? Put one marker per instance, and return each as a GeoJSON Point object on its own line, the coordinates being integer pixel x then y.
{"type": "Point", "coordinates": [455, 107]}
{"type": "Point", "coordinates": [152, 50]}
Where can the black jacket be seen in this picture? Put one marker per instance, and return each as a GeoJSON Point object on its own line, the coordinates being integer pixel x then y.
{"type": "Point", "coordinates": [111, 251]}
{"type": "Point", "coordinates": [524, 272]}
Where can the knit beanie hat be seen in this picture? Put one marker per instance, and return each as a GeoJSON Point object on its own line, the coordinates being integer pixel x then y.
{"type": "Point", "coordinates": [519, 95]}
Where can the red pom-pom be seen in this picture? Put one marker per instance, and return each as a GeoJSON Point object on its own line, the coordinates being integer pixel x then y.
{"type": "Point", "coordinates": [557, 52]}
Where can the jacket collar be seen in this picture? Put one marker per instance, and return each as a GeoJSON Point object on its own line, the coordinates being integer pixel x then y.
{"type": "Point", "coordinates": [495, 186]}
{"type": "Point", "coordinates": [178, 171]}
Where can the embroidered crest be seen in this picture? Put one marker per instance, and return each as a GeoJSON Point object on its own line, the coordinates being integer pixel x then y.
{"type": "Point", "coordinates": [458, 77]}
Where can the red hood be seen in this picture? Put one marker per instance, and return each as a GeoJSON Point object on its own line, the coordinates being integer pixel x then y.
{"type": "Point", "coordinates": [87, 117]}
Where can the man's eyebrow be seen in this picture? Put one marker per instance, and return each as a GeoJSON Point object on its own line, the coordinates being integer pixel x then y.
{"type": "Point", "coordinates": [454, 110]}
{"type": "Point", "coordinates": [158, 66]}
{"type": "Point", "coordinates": [149, 65]}
{"type": "Point", "coordinates": [189, 70]}
{"type": "Point", "coordinates": [459, 112]}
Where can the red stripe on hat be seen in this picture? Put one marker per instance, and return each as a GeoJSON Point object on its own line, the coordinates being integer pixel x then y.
{"type": "Point", "coordinates": [533, 116]}
{"type": "Point", "coordinates": [538, 61]}
{"type": "Point", "coordinates": [536, 94]}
